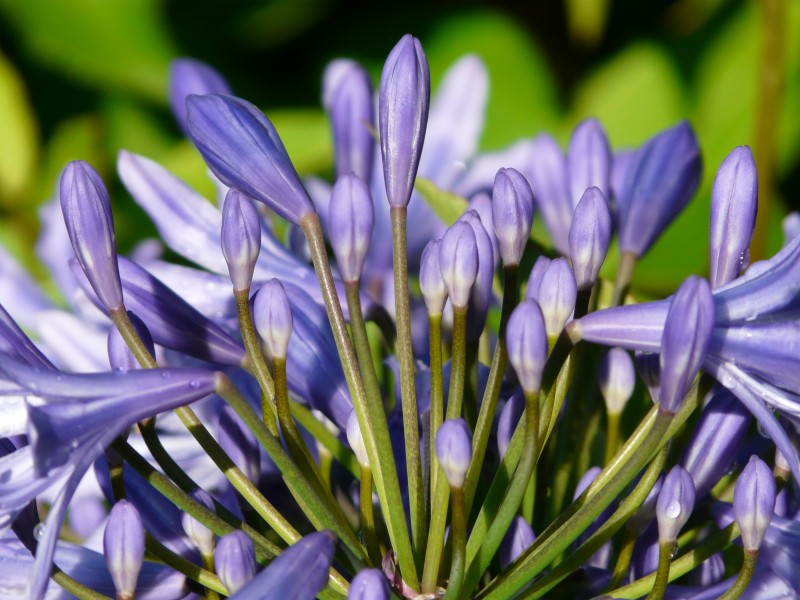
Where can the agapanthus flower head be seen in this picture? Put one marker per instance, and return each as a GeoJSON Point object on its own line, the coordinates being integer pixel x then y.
{"type": "Point", "coordinates": [189, 76]}
{"type": "Point", "coordinates": [687, 334]}
{"type": "Point", "coordinates": [754, 502]}
{"type": "Point", "coordinates": [243, 149]}
{"type": "Point", "coordinates": [617, 379]}
{"type": "Point", "coordinates": [662, 179]}
{"type": "Point", "coordinates": [235, 560]}
{"type": "Point", "coordinates": [675, 504]}
{"type": "Point", "coordinates": [272, 316]}
{"type": "Point", "coordinates": [120, 356]}
{"type": "Point", "coordinates": [589, 237]}
{"type": "Point", "coordinates": [458, 261]}
{"type": "Point", "coordinates": [431, 282]}
{"type": "Point", "coordinates": [526, 339]}
{"type": "Point", "coordinates": [369, 584]}
{"type": "Point", "coordinates": [241, 238]}
{"type": "Point", "coordinates": [123, 547]}
{"type": "Point", "coordinates": [454, 450]}
{"type": "Point", "coordinates": [87, 215]}
{"type": "Point", "coordinates": [512, 214]}
{"type": "Point", "coordinates": [347, 96]}
{"type": "Point", "coordinates": [350, 224]}
{"type": "Point", "coordinates": [734, 202]}
{"type": "Point", "coordinates": [403, 117]}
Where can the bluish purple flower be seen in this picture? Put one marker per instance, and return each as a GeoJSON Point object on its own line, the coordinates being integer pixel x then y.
{"type": "Point", "coordinates": [662, 180]}
{"type": "Point", "coordinates": [356, 440]}
{"type": "Point", "coordinates": [675, 504]}
{"type": "Point", "coordinates": [241, 238]}
{"type": "Point", "coordinates": [454, 450]}
{"type": "Point", "coordinates": [272, 317]}
{"type": "Point", "coordinates": [512, 214]}
{"type": "Point", "coordinates": [549, 184]}
{"type": "Point", "coordinates": [535, 277]}
{"type": "Point", "coordinates": [123, 547]}
{"type": "Point", "coordinates": [556, 295]}
{"type": "Point", "coordinates": [87, 215]}
{"type": "Point", "coordinates": [617, 379]}
{"type": "Point", "coordinates": [403, 117]}
{"type": "Point", "coordinates": [239, 443]}
{"type": "Point", "coordinates": [235, 560]}
{"type": "Point", "coordinates": [431, 282]}
{"type": "Point", "coordinates": [347, 96]}
{"type": "Point", "coordinates": [369, 584]}
{"type": "Point", "coordinates": [734, 202]}
{"type": "Point", "coordinates": [481, 296]}
{"type": "Point", "coordinates": [300, 572]}
{"type": "Point", "coordinates": [120, 356]}
{"type": "Point", "coordinates": [199, 533]}
{"type": "Point", "coordinates": [588, 160]}
{"type": "Point", "coordinates": [519, 536]}
{"type": "Point", "coordinates": [526, 339]}
{"type": "Point", "coordinates": [509, 419]}
{"type": "Point", "coordinates": [350, 224]}
{"type": "Point", "coordinates": [242, 148]}
{"type": "Point", "coordinates": [458, 261]}
{"type": "Point", "coordinates": [589, 237]}
{"type": "Point", "coordinates": [189, 76]}
{"type": "Point", "coordinates": [754, 502]}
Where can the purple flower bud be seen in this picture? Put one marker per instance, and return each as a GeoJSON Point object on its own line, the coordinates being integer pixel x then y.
{"type": "Point", "coordinates": [508, 421]}
{"type": "Point", "coordinates": [617, 379]}
{"type": "Point", "coordinates": [301, 571]}
{"type": "Point", "coordinates": [369, 584]}
{"type": "Point", "coordinates": [348, 100]}
{"type": "Point", "coordinates": [754, 502]}
{"type": "Point", "coordinates": [588, 160]}
{"type": "Point", "coordinates": [687, 333]}
{"type": "Point", "coordinates": [650, 372]}
{"type": "Point", "coordinates": [620, 176]}
{"type": "Point", "coordinates": [188, 76]}
{"type": "Point", "coordinates": [241, 238]}
{"type": "Point", "coordinates": [242, 148]}
{"type": "Point", "coordinates": [647, 510]}
{"type": "Point", "coordinates": [454, 450]}
{"type": "Point", "coordinates": [535, 278]}
{"type": "Point", "coordinates": [517, 539]}
{"type": "Point", "coordinates": [239, 443]}
{"type": "Point", "coordinates": [526, 339]}
{"type": "Point", "coordinates": [123, 546]}
{"type": "Point", "coordinates": [235, 560]}
{"type": "Point", "coordinates": [350, 224]}
{"type": "Point", "coordinates": [87, 215]}
{"type": "Point", "coordinates": [458, 261]}
{"type": "Point", "coordinates": [403, 116]}
{"type": "Point", "coordinates": [512, 214]}
{"type": "Point", "coordinates": [120, 356]}
{"type": "Point", "coordinates": [481, 295]}
{"type": "Point", "coordinates": [675, 504]}
{"type": "Point", "coordinates": [272, 317]}
{"type": "Point", "coordinates": [734, 201]}
{"type": "Point", "coordinates": [549, 184]}
{"type": "Point", "coordinates": [356, 440]}
{"type": "Point", "coordinates": [791, 227]}
{"type": "Point", "coordinates": [715, 440]}
{"type": "Point", "coordinates": [662, 180]}
{"type": "Point", "coordinates": [430, 279]}
{"type": "Point", "coordinates": [589, 237]}
{"type": "Point", "coordinates": [201, 535]}
{"type": "Point", "coordinates": [710, 572]}
{"type": "Point", "coordinates": [557, 294]}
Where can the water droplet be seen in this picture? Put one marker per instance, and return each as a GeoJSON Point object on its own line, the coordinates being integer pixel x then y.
{"type": "Point", "coordinates": [38, 531]}
{"type": "Point", "coordinates": [728, 382]}
{"type": "Point", "coordinates": [673, 509]}
{"type": "Point", "coordinates": [59, 378]}
{"type": "Point", "coordinates": [674, 552]}
{"type": "Point", "coordinates": [74, 444]}
{"type": "Point", "coordinates": [164, 375]}
{"type": "Point", "coordinates": [194, 384]}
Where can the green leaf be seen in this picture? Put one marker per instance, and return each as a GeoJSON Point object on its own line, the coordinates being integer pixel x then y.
{"type": "Point", "coordinates": [522, 94]}
{"type": "Point", "coordinates": [448, 207]}
{"type": "Point", "coordinates": [635, 94]}
{"type": "Point", "coordinates": [306, 135]}
{"type": "Point", "coordinates": [18, 151]}
{"type": "Point", "coordinates": [109, 45]}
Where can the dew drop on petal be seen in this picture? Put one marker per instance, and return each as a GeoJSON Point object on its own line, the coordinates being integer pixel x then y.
{"type": "Point", "coordinates": [673, 509]}
{"type": "Point", "coordinates": [38, 531]}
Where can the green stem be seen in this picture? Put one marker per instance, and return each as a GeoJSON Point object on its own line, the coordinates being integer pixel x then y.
{"type": "Point", "coordinates": [194, 572]}
{"type": "Point", "coordinates": [361, 341]}
{"type": "Point", "coordinates": [662, 571]}
{"type": "Point", "coordinates": [371, 416]}
{"type": "Point", "coordinates": [332, 443]}
{"type": "Point", "coordinates": [252, 346]}
{"type": "Point", "coordinates": [441, 490]}
{"type": "Point", "coordinates": [458, 533]}
{"type": "Point", "coordinates": [368, 516]}
{"type": "Point", "coordinates": [208, 565]}
{"type": "Point", "coordinates": [471, 384]}
{"type": "Point", "coordinates": [481, 557]}
{"type": "Point", "coordinates": [405, 358]}
{"type": "Point", "coordinates": [624, 559]}
{"type": "Point", "coordinates": [625, 269]}
{"type": "Point", "coordinates": [745, 575]}
{"type": "Point", "coordinates": [75, 588]}
{"type": "Point", "coordinates": [436, 412]}
{"type": "Point", "coordinates": [612, 436]}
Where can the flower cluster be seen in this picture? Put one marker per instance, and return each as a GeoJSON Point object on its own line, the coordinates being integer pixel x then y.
{"type": "Point", "coordinates": [411, 420]}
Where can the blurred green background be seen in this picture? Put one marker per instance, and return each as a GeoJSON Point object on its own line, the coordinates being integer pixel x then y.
{"type": "Point", "coordinates": [84, 78]}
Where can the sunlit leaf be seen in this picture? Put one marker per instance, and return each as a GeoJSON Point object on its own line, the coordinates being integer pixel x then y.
{"type": "Point", "coordinates": [306, 135]}
{"type": "Point", "coordinates": [448, 207]}
{"type": "Point", "coordinates": [18, 149]}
